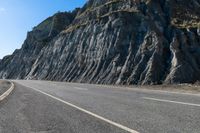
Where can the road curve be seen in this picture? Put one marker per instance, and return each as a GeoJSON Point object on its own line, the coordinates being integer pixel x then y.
{"type": "Point", "coordinates": [56, 107]}
{"type": "Point", "coordinates": [6, 89]}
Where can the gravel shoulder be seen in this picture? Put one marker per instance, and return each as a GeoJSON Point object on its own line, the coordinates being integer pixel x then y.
{"type": "Point", "coordinates": [4, 86]}
{"type": "Point", "coordinates": [183, 88]}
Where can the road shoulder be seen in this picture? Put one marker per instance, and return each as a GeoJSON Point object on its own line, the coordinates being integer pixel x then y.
{"type": "Point", "coordinates": [6, 88]}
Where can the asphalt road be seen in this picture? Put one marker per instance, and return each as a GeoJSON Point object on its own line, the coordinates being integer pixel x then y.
{"type": "Point", "coordinates": [56, 107]}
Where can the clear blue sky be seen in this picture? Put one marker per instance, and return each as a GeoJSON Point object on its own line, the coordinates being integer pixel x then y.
{"type": "Point", "coordinates": [19, 16]}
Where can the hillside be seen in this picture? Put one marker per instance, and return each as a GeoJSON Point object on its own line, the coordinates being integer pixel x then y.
{"type": "Point", "coordinates": [113, 42]}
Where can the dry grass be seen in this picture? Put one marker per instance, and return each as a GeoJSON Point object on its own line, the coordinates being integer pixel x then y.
{"type": "Point", "coordinates": [185, 24]}
{"type": "Point", "coordinates": [98, 7]}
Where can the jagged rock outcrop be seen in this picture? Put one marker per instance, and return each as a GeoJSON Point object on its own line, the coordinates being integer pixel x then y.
{"type": "Point", "coordinates": [113, 42]}
{"type": "Point", "coordinates": [19, 64]}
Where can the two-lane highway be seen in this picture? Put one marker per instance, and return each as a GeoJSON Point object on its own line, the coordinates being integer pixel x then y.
{"type": "Point", "coordinates": [58, 107]}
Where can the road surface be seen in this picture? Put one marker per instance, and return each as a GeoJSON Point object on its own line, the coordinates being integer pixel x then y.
{"type": "Point", "coordinates": [56, 107]}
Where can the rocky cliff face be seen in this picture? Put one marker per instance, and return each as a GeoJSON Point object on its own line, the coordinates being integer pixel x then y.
{"type": "Point", "coordinates": [113, 42]}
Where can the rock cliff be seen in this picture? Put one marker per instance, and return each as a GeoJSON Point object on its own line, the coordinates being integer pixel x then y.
{"type": "Point", "coordinates": [113, 42]}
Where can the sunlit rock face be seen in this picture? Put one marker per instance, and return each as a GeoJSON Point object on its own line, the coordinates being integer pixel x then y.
{"type": "Point", "coordinates": [113, 42]}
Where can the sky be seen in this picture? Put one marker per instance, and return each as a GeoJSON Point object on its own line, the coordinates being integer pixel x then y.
{"type": "Point", "coordinates": [17, 17]}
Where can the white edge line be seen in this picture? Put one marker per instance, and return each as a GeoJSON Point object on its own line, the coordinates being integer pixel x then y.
{"type": "Point", "coordinates": [5, 94]}
{"type": "Point", "coordinates": [79, 88]}
{"type": "Point", "coordinates": [165, 92]}
{"type": "Point", "coordinates": [169, 101]}
{"type": "Point", "coordinates": [88, 112]}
